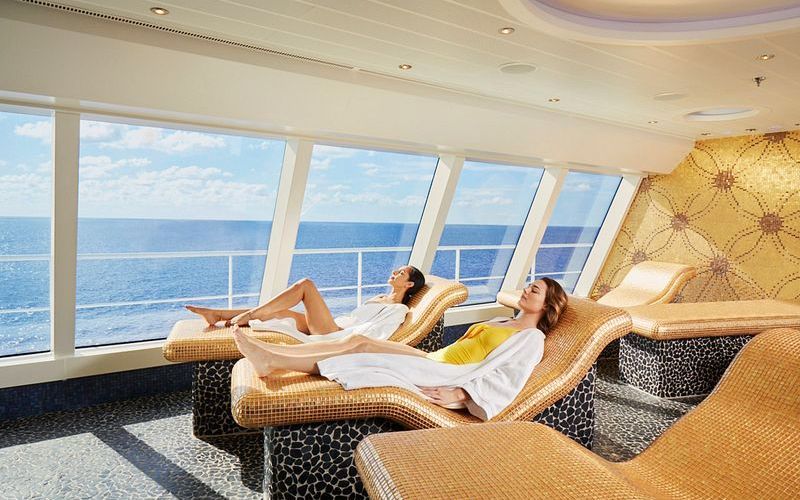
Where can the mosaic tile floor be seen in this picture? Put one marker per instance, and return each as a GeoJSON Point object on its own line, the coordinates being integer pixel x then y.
{"type": "Point", "coordinates": [143, 448]}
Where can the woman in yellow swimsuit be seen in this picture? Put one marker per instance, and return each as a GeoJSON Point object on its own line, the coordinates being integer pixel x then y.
{"type": "Point", "coordinates": [540, 306]}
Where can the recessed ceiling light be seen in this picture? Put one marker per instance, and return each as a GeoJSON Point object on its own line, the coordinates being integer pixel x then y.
{"type": "Point", "coordinates": [506, 31]}
{"type": "Point", "coordinates": [553, 99]}
{"type": "Point", "coordinates": [766, 57]}
{"type": "Point", "coordinates": [720, 114]}
{"type": "Point", "coordinates": [404, 66]}
{"type": "Point", "coordinates": [517, 68]}
{"type": "Point", "coordinates": [653, 122]}
{"type": "Point", "coordinates": [669, 96]}
{"type": "Point", "coordinates": [159, 11]}
{"type": "Point", "coordinates": [750, 129]}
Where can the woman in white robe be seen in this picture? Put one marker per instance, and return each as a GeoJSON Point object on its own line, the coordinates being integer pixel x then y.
{"type": "Point", "coordinates": [379, 316]}
{"type": "Point", "coordinates": [540, 306]}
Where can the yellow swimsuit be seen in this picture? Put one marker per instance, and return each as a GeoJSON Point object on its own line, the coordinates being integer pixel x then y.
{"type": "Point", "coordinates": [473, 346]}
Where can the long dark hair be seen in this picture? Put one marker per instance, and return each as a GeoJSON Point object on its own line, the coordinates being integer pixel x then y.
{"type": "Point", "coordinates": [416, 277]}
{"type": "Point", "coordinates": [555, 300]}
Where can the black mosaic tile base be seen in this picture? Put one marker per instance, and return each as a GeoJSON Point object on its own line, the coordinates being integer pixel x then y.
{"type": "Point", "coordinates": [573, 415]}
{"type": "Point", "coordinates": [316, 460]}
{"type": "Point", "coordinates": [211, 391]}
{"type": "Point", "coordinates": [36, 399]}
{"type": "Point", "coordinates": [211, 400]}
{"type": "Point", "coordinates": [611, 351]}
{"type": "Point", "coordinates": [677, 368]}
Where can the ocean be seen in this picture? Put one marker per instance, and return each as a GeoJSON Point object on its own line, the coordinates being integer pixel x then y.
{"type": "Point", "coordinates": [109, 289]}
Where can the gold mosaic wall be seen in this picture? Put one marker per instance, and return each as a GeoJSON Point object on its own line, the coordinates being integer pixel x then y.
{"type": "Point", "coordinates": [731, 209]}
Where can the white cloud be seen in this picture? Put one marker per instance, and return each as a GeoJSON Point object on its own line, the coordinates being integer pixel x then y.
{"type": "Point", "coordinates": [25, 194]}
{"type": "Point", "coordinates": [42, 130]}
{"type": "Point", "coordinates": [579, 187]}
{"type": "Point", "coordinates": [260, 145]}
{"type": "Point", "coordinates": [3, 163]}
{"type": "Point", "coordinates": [176, 192]}
{"type": "Point", "coordinates": [94, 167]}
{"type": "Point", "coordinates": [334, 152]}
{"type": "Point", "coordinates": [99, 131]}
{"type": "Point", "coordinates": [165, 141]}
{"type": "Point", "coordinates": [482, 202]}
{"type": "Point", "coordinates": [317, 164]}
{"type": "Point", "coordinates": [45, 167]}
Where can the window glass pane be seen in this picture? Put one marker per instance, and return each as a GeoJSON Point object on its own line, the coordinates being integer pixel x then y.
{"type": "Point", "coordinates": [25, 206]}
{"type": "Point", "coordinates": [168, 217]}
{"type": "Point", "coordinates": [483, 226]}
{"type": "Point", "coordinates": [359, 205]}
{"type": "Point", "coordinates": [580, 211]}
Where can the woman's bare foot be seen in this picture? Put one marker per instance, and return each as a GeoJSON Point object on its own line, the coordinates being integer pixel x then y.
{"type": "Point", "coordinates": [255, 354]}
{"type": "Point", "coordinates": [210, 315]}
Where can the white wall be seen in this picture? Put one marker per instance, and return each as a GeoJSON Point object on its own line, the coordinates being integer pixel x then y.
{"type": "Point", "coordinates": [86, 64]}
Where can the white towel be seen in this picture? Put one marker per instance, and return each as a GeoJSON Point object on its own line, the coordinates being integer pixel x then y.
{"type": "Point", "coordinates": [373, 319]}
{"type": "Point", "coordinates": [492, 384]}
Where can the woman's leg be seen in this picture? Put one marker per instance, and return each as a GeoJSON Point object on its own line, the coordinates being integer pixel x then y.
{"type": "Point", "coordinates": [304, 357]}
{"type": "Point", "coordinates": [318, 318]}
{"type": "Point", "coordinates": [212, 316]}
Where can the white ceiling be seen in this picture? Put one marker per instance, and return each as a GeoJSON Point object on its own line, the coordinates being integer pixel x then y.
{"type": "Point", "coordinates": [456, 44]}
{"type": "Point", "coordinates": [667, 11]}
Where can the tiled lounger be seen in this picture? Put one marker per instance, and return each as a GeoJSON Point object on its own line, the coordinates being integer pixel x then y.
{"type": "Point", "coordinates": [312, 425]}
{"type": "Point", "coordinates": [740, 443]}
{"type": "Point", "coordinates": [214, 353]}
{"type": "Point", "coordinates": [683, 349]}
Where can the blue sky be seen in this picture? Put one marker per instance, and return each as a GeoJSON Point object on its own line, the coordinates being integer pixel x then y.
{"type": "Point", "coordinates": [146, 172]}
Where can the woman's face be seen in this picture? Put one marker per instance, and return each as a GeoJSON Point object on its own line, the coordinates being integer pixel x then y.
{"type": "Point", "coordinates": [532, 299]}
{"type": "Point", "coordinates": [399, 278]}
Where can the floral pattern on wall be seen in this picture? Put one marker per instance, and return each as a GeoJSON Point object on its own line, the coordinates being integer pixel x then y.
{"type": "Point", "coordinates": [731, 209]}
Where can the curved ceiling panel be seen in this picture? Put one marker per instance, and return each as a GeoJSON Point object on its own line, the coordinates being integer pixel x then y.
{"type": "Point", "coordinates": [642, 21]}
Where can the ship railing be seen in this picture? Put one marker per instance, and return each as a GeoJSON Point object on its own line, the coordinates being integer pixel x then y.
{"type": "Point", "coordinates": [230, 254]}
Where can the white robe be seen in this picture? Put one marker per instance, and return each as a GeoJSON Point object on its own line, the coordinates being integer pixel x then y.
{"type": "Point", "coordinates": [492, 384]}
{"type": "Point", "coordinates": [374, 319]}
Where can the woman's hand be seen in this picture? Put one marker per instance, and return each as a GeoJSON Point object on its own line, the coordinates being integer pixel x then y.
{"type": "Point", "coordinates": [240, 319]}
{"type": "Point", "coordinates": [445, 396]}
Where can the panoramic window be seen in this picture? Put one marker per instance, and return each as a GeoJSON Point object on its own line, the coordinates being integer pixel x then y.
{"type": "Point", "coordinates": [359, 218]}
{"type": "Point", "coordinates": [166, 218]}
{"type": "Point", "coordinates": [483, 226]}
{"type": "Point", "coordinates": [25, 205]}
{"type": "Point", "coordinates": [580, 211]}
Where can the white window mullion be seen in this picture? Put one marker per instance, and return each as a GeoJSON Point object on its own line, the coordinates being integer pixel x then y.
{"type": "Point", "coordinates": [608, 233]}
{"type": "Point", "coordinates": [535, 225]}
{"type": "Point", "coordinates": [434, 216]}
{"type": "Point", "coordinates": [64, 233]}
{"type": "Point", "coordinates": [286, 221]}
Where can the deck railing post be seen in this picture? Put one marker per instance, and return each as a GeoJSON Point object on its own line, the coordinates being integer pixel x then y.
{"type": "Point", "coordinates": [360, 269]}
{"type": "Point", "coordinates": [230, 281]}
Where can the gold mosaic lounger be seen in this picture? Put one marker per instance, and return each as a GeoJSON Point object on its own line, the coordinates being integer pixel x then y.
{"type": "Point", "coordinates": [648, 282]}
{"type": "Point", "coordinates": [713, 319]}
{"type": "Point", "coordinates": [741, 442]}
{"type": "Point", "coordinates": [289, 398]}
{"type": "Point", "coordinates": [193, 340]}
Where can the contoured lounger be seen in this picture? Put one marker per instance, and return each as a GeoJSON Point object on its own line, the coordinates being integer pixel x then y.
{"type": "Point", "coordinates": [214, 352]}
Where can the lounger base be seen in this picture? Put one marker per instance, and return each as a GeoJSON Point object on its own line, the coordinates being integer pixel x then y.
{"type": "Point", "coordinates": [211, 391]}
{"type": "Point", "coordinates": [211, 400]}
{"type": "Point", "coordinates": [573, 415]}
{"type": "Point", "coordinates": [316, 460]}
{"type": "Point", "coordinates": [677, 368]}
